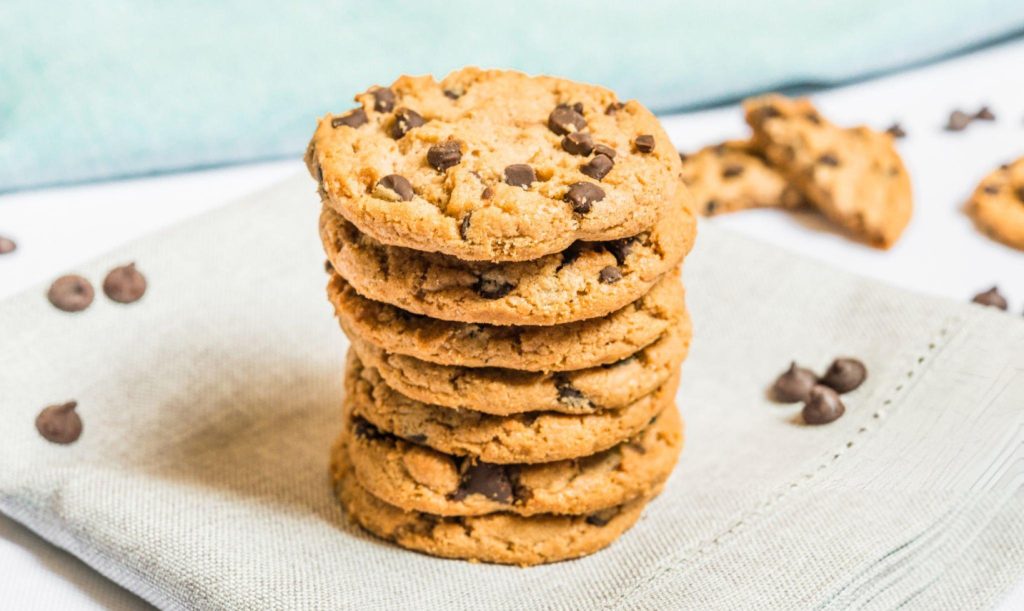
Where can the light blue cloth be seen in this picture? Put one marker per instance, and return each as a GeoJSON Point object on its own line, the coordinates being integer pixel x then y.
{"type": "Point", "coordinates": [92, 90]}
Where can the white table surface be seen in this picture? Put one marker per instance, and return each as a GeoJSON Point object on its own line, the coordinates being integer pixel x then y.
{"type": "Point", "coordinates": [940, 253]}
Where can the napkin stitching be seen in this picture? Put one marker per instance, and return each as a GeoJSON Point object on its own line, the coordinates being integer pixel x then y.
{"type": "Point", "coordinates": [938, 339]}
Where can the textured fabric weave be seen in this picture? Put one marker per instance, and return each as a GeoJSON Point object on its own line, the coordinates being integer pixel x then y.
{"type": "Point", "coordinates": [209, 408]}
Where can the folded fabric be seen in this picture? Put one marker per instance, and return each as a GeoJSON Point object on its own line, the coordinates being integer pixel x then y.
{"type": "Point", "coordinates": [200, 480]}
{"type": "Point", "coordinates": [96, 90]}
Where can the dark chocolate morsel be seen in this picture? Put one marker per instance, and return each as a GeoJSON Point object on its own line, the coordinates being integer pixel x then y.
{"type": "Point", "coordinates": [620, 248]}
{"type": "Point", "coordinates": [398, 185]}
{"type": "Point", "coordinates": [565, 119]}
{"type": "Point", "coordinates": [444, 155]}
{"type": "Point", "coordinates": [958, 121]}
{"type": "Point", "coordinates": [897, 131]}
{"type": "Point", "coordinates": [598, 167]}
{"type": "Point", "coordinates": [578, 143]}
{"type": "Point", "coordinates": [823, 406]}
{"type": "Point", "coordinates": [70, 293]}
{"type": "Point", "coordinates": [520, 175]}
{"type": "Point", "coordinates": [464, 225]}
{"type": "Point", "coordinates": [609, 275]}
{"type": "Point", "coordinates": [844, 375]}
{"type": "Point", "coordinates": [602, 517]}
{"type": "Point", "coordinates": [828, 159]}
{"type": "Point", "coordinates": [793, 385]}
{"type": "Point", "coordinates": [570, 395]}
{"type": "Point", "coordinates": [992, 298]}
{"type": "Point", "coordinates": [491, 481]}
{"type": "Point", "coordinates": [732, 170]}
{"type": "Point", "coordinates": [60, 423]}
{"type": "Point", "coordinates": [383, 99]}
{"type": "Point", "coordinates": [125, 284]}
{"type": "Point", "coordinates": [582, 195]}
{"type": "Point", "coordinates": [493, 288]}
{"type": "Point", "coordinates": [355, 118]}
{"type": "Point", "coordinates": [645, 143]}
{"type": "Point", "coordinates": [406, 120]}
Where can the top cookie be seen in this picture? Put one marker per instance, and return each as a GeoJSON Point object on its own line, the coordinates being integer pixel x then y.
{"type": "Point", "coordinates": [997, 205]}
{"type": "Point", "coordinates": [854, 176]}
{"type": "Point", "coordinates": [491, 165]}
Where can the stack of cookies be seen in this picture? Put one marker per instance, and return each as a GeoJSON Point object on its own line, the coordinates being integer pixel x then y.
{"type": "Point", "coordinates": [504, 253]}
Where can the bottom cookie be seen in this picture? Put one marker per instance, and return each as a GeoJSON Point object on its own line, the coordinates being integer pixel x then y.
{"type": "Point", "coordinates": [498, 538]}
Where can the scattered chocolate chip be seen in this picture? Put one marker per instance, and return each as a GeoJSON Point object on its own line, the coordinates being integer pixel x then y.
{"type": "Point", "coordinates": [383, 99]}
{"type": "Point", "coordinates": [793, 385]}
{"type": "Point", "coordinates": [70, 293]}
{"type": "Point", "coordinates": [620, 249]}
{"type": "Point", "coordinates": [125, 284]}
{"type": "Point", "coordinates": [406, 120]}
{"type": "Point", "coordinates": [491, 481]}
{"type": "Point", "coordinates": [896, 131]}
{"type": "Point", "coordinates": [985, 114]}
{"type": "Point", "coordinates": [355, 118]}
{"type": "Point", "coordinates": [7, 245]}
{"type": "Point", "coordinates": [568, 394]}
{"type": "Point", "coordinates": [613, 108]}
{"type": "Point", "coordinates": [582, 195]}
{"type": "Point", "coordinates": [578, 143]}
{"type": "Point", "coordinates": [60, 423]}
{"type": "Point", "coordinates": [598, 167]}
{"type": "Point", "coordinates": [710, 207]}
{"type": "Point", "coordinates": [828, 159]}
{"type": "Point", "coordinates": [464, 225]}
{"type": "Point", "coordinates": [493, 288]}
{"type": "Point", "coordinates": [520, 175]}
{"type": "Point", "coordinates": [609, 274]}
{"type": "Point", "coordinates": [604, 149]}
{"type": "Point", "coordinates": [732, 170]}
{"type": "Point", "coordinates": [844, 375]}
{"type": "Point", "coordinates": [444, 155]}
{"type": "Point", "coordinates": [603, 517]}
{"type": "Point", "coordinates": [565, 119]}
{"type": "Point", "coordinates": [416, 438]}
{"type": "Point", "coordinates": [644, 143]}
{"type": "Point", "coordinates": [823, 406]}
{"type": "Point", "coordinates": [453, 94]}
{"type": "Point", "coordinates": [991, 189]}
{"type": "Point", "coordinates": [487, 193]}
{"type": "Point", "coordinates": [398, 185]}
{"type": "Point", "coordinates": [991, 298]}
{"type": "Point", "coordinates": [958, 121]}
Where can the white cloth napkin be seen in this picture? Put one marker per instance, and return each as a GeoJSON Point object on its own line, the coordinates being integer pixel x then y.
{"type": "Point", "coordinates": [209, 406]}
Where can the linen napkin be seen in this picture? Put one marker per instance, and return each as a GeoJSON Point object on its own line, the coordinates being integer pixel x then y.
{"type": "Point", "coordinates": [200, 480]}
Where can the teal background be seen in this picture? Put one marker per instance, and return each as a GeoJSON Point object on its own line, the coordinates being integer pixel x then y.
{"type": "Point", "coordinates": [93, 90]}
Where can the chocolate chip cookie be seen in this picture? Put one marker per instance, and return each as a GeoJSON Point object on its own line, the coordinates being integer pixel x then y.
{"type": "Point", "coordinates": [997, 205]}
{"type": "Point", "coordinates": [521, 438]}
{"type": "Point", "coordinates": [733, 176]}
{"type": "Point", "coordinates": [502, 538]}
{"type": "Point", "coordinates": [503, 392]}
{"type": "Point", "coordinates": [854, 176]}
{"type": "Point", "coordinates": [491, 165]}
{"type": "Point", "coordinates": [576, 345]}
{"type": "Point", "coordinates": [417, 478]}
{"type": "Point", "coordinates": [588, 280]}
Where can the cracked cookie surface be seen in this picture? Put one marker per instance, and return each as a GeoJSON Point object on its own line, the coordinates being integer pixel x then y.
{"type": "Point", "coordinates": [853, 176]}
{"type": "Point", "coordinates": [520, 438]}
{"type": "Point", "coordinates": [575, 345]}
{"type": "Point", "coordinates": [997, 205]}
{"type": "Point", "coordinates": [733, 176]}
{"type": "Point", "coordinates": [482, 165]}
{"type": "Point", "coordinates": [504, 392]}
{"type": "Point", "coordinates": [502, 538]}
{"type": "Point", "coordinates": [417, 478]}
{"type": "Point", "coordinates": [588, 280]}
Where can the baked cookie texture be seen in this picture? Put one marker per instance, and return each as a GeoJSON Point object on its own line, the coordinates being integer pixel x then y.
{"type": "Point", "coordinates": [566, 347]}
{"type": "Point", "coordinates": [853, 176]}
{"type": "Point", "coordinates": [589, 280]}
{"type": "Point", "coordinates": [997, 205]}
{"type": "Point", "coordinates": [502, 538]}
{"type": "Point", "coordinates": [733, 176]}
{"type": "Point", "coordinates": [414, 477]}
{"type": "Point", "coordinates": [489, 162]}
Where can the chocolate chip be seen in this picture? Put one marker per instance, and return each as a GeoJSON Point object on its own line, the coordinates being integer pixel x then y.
{"type": "Point", "coordinates": [70, 293]}
{"type": "Point", "coordinates": [985, 114]}
{"type": "Point", "coordinates": [793, 385]}
{"type": "Point", "coordinates": [565, 119]}
{"type": "Point", "coordinates": [828, 159]}
{"type": "Point", "coordinates": [896, 131]}
{"type": "Point", "coordinates": [493, 288]}
{"type": "Point", "coordinates": [416, 438]}
{"type": "Point", "coordinates": [444, 155]}
{"type": "Point", "coordinates": [598, 167]}
{"type": "Point", "coordinates": [603, 517]}
{"type": "Point", "coordinates": [582, 195]}
{"type": "Point", "coordinates": [710, 207]}
{"type": "Point", "coordinates": [383, 99]}
{"type": "Point", "coordinates": [355, 118]}
{"type": "Point", "coordinates": [60, 423]}
{"type": "Point", "coordinates": [520, 175]}
{"type": "Point", "coordinates": [991, 298]}
{"type": "Point", "coordinates": [958, 121]}
{"type": "Point", "coordinates": [571, 254]}
{"type": "Point", "coordinates": [991, 189]}
{"type": "Point", "coordinates": [823, 406]}
{"type": "Point", "coordinates": [125, 284]}
{"type": "Point", "coordinates": [844, 375]}
{"type": "Point", "coordinates": [683, 157]}
{"type": "Point", "coordinates": [604, 149]}
{"type": "Point", "coordinates": [398, 185]}
{"type": "Point", "coordinates": [732, 170]}
{"type": "Point", "coordinates": [620, 249]}
{"type": "Point", "coordinates": [609, 275]}
{"type": "Point", "coordinates": [7, 245]}
{"type": "Point", "coordinates": [578, 143]}
{"type": "Point", "coordinates": [1019, 193]}
{"type": "Point", "coordinates": [813, 117]}
{"type": "Point", "coordinates": [645, 143]}
{"type": "Point", "coordinates": [491, 481]}
{"type": "Point", "coordinates": [487, 193]}
{"type": "Point", "coordinates": [406, 120]}
{"type": "Point", "coordinates": [328, 267]}
{"type": "Point", "coordinates": [613, 108]}
{"type": "Point", "coordinates": [464, 225]}
{"type": "Point", "coordinates": [453, 94]}
{"type": "Point", "coordinates": [366, 430]}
